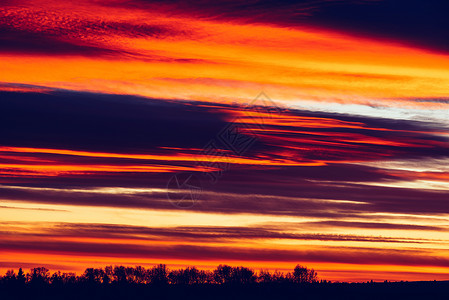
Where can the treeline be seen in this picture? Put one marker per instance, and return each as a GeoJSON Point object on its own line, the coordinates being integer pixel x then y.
{"type": "Point", "coordinates": [158, 275]}
{"type": "Point", "coordinates": [223, 283]}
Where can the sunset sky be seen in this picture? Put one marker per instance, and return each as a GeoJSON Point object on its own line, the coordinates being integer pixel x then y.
{"type": "Point", "coordinates": [341, 160]}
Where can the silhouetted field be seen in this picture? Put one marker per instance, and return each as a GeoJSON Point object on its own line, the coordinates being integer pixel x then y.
{"type": "Point", "coordinates": [224, 282]}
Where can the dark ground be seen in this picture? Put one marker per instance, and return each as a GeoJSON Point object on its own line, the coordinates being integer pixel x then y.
{"type": "Point", "coordinates": [388, 290]}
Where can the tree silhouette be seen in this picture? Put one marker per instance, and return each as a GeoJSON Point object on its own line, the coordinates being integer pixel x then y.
{"type": "Point", "coordinates": [303, 275]}
{"type": "Point", "coordinates": [56, 278]}
{"type": "Point", "coordinates": [190, 275]}
{"type": "Point", "coordinates": [92, 275]}
{"type": "Point", "coordinates": [159, 275]}
{"type": "Point", "coordinates": [264, 277]}
{"type": "Point", "coordinates": [225, 282]}
{"type": "Point", "coordinates": [223, 274]}
{"type": "Point", "coordinates": [242, 275]}
{"type": "Point", "coordinates": [39, 276]}
{"type": "Point", "coordinates": [21, 278]}
{"type": "Point", "coordinates": [10, 277]}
